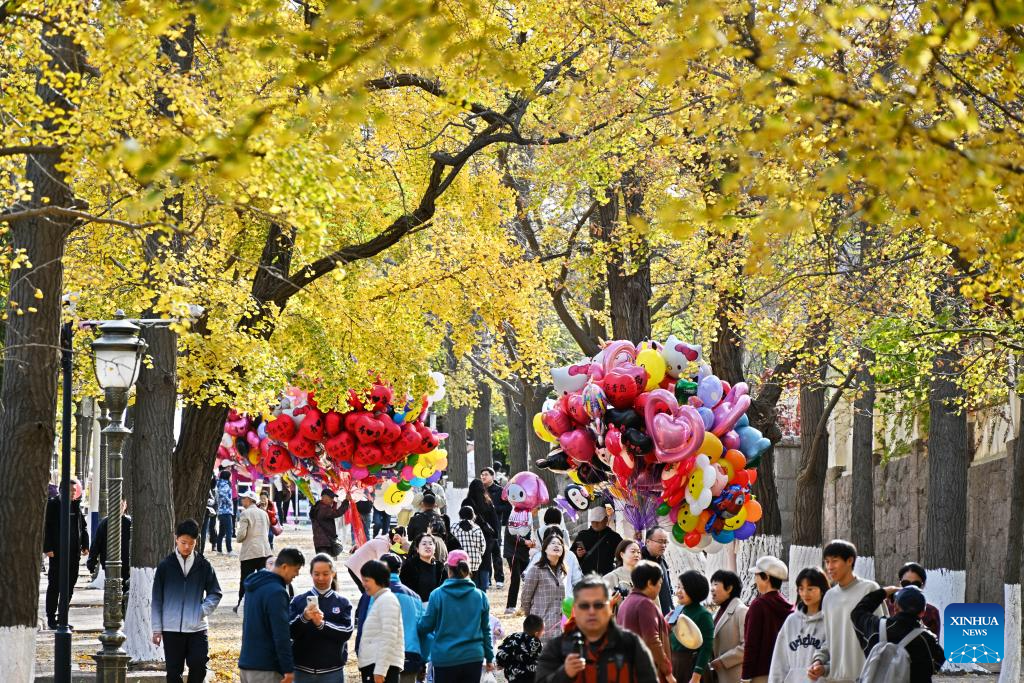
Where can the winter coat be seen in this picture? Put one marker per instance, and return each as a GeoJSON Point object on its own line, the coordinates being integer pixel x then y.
{"type": "Point", "coordinates": [801, 636]}
{"type": "Point", "coordinates": [486, 518]}
{"type": "Point", "coordinates": [98, 551]}
{"type": "Point", "coordinates": [665, 597]}
{"type": "Point", "coordinates": [381, 639]}
{"type": "Point", "coordinates": [472, 541]}
{"type": "Point", "coordinates": [325, 648]}
{"type": "Point", "coordinates": [224, 498]}
{"type": "Point", "coordinates": [502, 508]}
{"type": "Point", "coordinates": [624, 657]}
{"type": "Point", "coordinates": [266, 637]}
{"type": "Point", "coordinates": [517, 656]}
{"type": "Point", "coordinates": [253, 528]}
{"type": "Point", "coordinates": [728, 650]}
{"type": "Point", "coordinates": [542, 593]}
{"type": "Point", "coordinates": [600, 546]}
{"type": "Point", "coordinates": [765, 617]}
{"type": "Point", "coordinates": [412, 610]}
{"type": "Point", "coordinates": [700, 616]}
{"type": "Point", "coordinates": [459, 618]}
{"type": "Point", "coordinates": [926, 655]}
{"type": "Point", "coordinates": [421, 577]}
{"type": "Point", "coordinates": [79, 536]}
{"type": "Point", "coordinates": [325, 530]}
{"type": "Point", "coordinates": [641, 615]}
{"type": "Point", "coordinates": [618, 576]}
{"type": "Point", "coordinates": [572, 563]}
{"type": "Point", "coordinates": [179, 603]}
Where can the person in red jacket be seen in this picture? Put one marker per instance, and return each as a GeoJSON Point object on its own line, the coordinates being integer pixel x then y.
{"type": "Point", "coordinates": [765, 617]}
{"type": "Point", "coordinates": [641, 614]}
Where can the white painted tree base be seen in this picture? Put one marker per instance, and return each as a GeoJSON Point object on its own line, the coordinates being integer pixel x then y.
{"type": "Point", "coordinates": [138, 622]}
{"type": "Point", "coordinates": [944, 587]}
{"type": "Point", "coordinates": [18, 653]}
{"type": "Point", "coordinates": [747, 553]}
{"type": "Point", "coordinates": [865, 569]}
{"type": "Point", "coordinates": [801, 557]}
{"type": "Point", "coordinates": [1010, 667]}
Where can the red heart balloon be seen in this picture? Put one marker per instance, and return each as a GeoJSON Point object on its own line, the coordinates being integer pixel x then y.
{"type": "Point", "coordinates": [334, 422]}
{"type": "Point", "coordinates": [410, 438]}
{"type": "Point", "coordinates": [556, 421]}
{"type": "Point", "coordinates": [578, 445]}
{"type": "Point", "coordinates": [367, 454]}
{"type": "Point", "coordinates": [623, 383]}
{"type": "Point", "coordinates": [367, 428]}
{"type": "Point", "coordinates": [576, 411]}
{"type": "Point", "coordinates": [380, 397]}
{"type": "Point", "coordinates": [613, 441]}
{"type": "Point", "coordinates": [391, 432]}
{"type": "Point", "coordinates": [281, 428]}
{"type": "Point", "coordinates": [341, 446]}
{"type": "Point", "coordinates": [276, 460]}
{"type": "Point", "coordinates": [312, 426]}
{"type": "Point", "coordinates": [302, 447]}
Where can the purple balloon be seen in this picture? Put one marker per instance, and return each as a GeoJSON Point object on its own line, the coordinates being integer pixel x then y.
{"type": "Point", "coordinates": [708, 416]}
{"type": "Point", "coordinates": [745, 531]}
{"type": "Point", "coordinates": [434, 477]}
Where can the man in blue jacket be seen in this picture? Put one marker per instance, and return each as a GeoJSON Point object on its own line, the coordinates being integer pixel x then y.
{"type": "Point", "coordinates": [185, 593]}
{"type": "Point", "coordinates": [266, 655]}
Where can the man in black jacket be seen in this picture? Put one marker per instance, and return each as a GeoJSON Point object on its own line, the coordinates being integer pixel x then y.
{"type": "Point", "coordinates": [596, 645]}
{"type": "Point", "coordinates": [423, 520]}
{"type": "Point", "coordinates": [926, 655]}
{"type": "Point", "coordinates": [503, 509]}
{"type": "Point", "coordinates": [98, 550]}
{"type": "Point", "coordinates": [78, 545]}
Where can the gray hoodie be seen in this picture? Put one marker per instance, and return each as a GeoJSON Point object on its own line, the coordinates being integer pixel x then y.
{"type": "Point", "coordinates": [801, 636]}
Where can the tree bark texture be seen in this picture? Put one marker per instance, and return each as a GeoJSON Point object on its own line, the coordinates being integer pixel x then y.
{"type": "Point", "coordinates": [518, 424]}
{"type": "Point", "coordinates": [945, 545]}
{"type": "Point", "coordinates": [810, 481]}
{"type": "Point", "coordinates": [1015, 527]}
{"type": "Point", "coordinates": [482, 446]}
{"type": "Point", "coordinates": [458, 455]}
{"type": "Point", "coordinates": [28, 395]}
{"type": "Point", "coordinates": [629, 268]}
{"type": "Point", "coordinates": [150, 450]}
{"type": "Point", "coordinates": [862, 504]}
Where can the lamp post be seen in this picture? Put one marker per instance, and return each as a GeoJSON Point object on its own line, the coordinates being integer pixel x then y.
{"type": "Point", "coordinates": [118, 352]}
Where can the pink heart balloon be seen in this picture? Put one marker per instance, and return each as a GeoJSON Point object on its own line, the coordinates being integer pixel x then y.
{"type": "Point", "coordinates": [618, 353]}
{"type": "Point", "coordinates": [677, 431]}
{"type": "Point", "coordinates": [578, 445]}
{"type": "Point", "coordinates": [731, 409]}
{"type": "Point", "coordinates": [576, 409]}
{"type": "Point", "coordinates": [556, 422]}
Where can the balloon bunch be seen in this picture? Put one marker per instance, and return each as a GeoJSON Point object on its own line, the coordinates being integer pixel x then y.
{"type": "Point", "coordinates": [375, 438]}
{"type": "Point", "coordinates": [634, 422]}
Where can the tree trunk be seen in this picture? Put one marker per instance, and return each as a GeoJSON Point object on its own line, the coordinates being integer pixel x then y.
{"type": "Point", "coordinates": [150, 498]}
{"type": "Point", "coordinates": [946, 530]}
{"type": "Point", "coordinates": [629, 269]}
{"type": "Point", "coordinates": [28, 395]}
{"type": "Point", "coordinates": [458, 455]}
{"type": "Point", "coordinates": [202, 426]}
{"type": "Point", "coordinates": [1010, 669]}
{"type": "Point", "coordinates": [810, 482]}
{"type": "Point", "coordinates": [482, 446]}
{"type": "Point", "coordinates": [862, 505]}
{"type": "Point", "coordinates": [518, 424]}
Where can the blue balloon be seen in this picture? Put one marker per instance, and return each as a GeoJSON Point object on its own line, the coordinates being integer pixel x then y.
{"type": "Point", "coordinates": [399, 417]}
{"type": "Point", "coordinates": [744, 421]}
{"type": "Point", "coordinates": [346, 465]}
{"type": "Point", "coordinates": [710, 391]}
{"type": "Point", "coordinates": [417, 481]}
{"type": "Point", "coordinates": [708, 416]}
{"type": "Point", "coordinates": [724, 536]}
{"type": "Point", "coordinates": [752, 442]}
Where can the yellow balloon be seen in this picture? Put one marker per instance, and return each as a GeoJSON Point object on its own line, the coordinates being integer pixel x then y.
{"type": "Point", "coordinates": [540, 430]}
{"type": "Point", "coordinates": [441, 464]}
{"type": "Point", "coordinates": [736, 521]}
{"type": "Point", "coordinates": [651, 361]}
{"type": "Point", "coordinates": [696, 484]}
{"type": "Point", "coordinates": [712, 447]}
{"type": "Point", "coordinates": [254, 457]}
{"type": "Point", "coordinates": [575, 477]}
{"type": "Point", "coordinates": [423, 469]}
{"type": "Point", "coordinates": [687, 521]}
{"type": "Point", "coordinates": [393, 495]}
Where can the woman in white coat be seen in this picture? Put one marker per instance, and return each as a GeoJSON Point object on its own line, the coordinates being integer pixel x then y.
{"type": "Point", "coordinates": [380, 640]}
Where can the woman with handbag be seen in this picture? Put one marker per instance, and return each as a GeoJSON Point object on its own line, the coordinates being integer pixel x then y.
{"type": "Point", "coordinates": [690, 664]}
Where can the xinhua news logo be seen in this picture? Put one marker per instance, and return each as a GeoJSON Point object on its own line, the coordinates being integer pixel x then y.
{"type": "Point", "coordinates": [972, 633]}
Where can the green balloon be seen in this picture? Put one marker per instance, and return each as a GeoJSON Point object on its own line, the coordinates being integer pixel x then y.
{"type": "Point", "coordinates": [374, 469]}
{"type": "Point", "coordinates": [685, 389]}
{"type": "Point", "coordinates": [567, 607]}
{"type": "Point", "coordinates": [403, 485]}
{"type": "Point", "coordinates": [412, 459]}
{"type": "Point", "coordinates": [663, 509]}
{"type": "Point", "coordinates": [678, 533]}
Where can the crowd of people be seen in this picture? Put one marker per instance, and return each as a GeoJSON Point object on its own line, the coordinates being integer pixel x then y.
{"type": "Point", "coordinates": [595, 607]}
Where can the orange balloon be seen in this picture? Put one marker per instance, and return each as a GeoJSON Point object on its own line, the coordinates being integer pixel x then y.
{"type": "Point", "coordinates": [736, 459]}
{"type": "Point", "coordinates": [753, 509]}
{"type": "Point", "coordinates": [704, 517]}
{"type": "Point", "coordinates": [752, 476]}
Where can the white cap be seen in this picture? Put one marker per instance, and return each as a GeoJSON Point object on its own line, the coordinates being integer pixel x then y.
{"type": "Point", "coordinates": [772, 566]}
{"type": "Point", "coordinates": [597, 514]}
{"type": "Point", "coordinates": [251, 495]}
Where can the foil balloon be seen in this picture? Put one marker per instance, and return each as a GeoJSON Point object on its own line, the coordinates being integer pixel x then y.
{"type": "Point", "coordinates": [526, 492]}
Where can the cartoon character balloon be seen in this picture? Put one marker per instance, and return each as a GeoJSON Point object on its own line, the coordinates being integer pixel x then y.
{"type": "Point", "coordinates": [526, 492]}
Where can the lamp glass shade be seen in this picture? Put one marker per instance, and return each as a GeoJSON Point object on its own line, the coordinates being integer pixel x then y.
{"type": "Point", "coordinates": [118, 352]}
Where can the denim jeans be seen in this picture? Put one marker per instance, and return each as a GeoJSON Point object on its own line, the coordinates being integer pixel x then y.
{"type": "Point", "coordinates": [226, 533]}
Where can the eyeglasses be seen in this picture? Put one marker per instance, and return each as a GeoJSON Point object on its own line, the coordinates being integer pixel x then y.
{"type": "Point", "coordinates": [588, 606]}
{"type": "Point", "coordinates": [904, 583]}
{"type": "Point", "coordinates": [656, 540]}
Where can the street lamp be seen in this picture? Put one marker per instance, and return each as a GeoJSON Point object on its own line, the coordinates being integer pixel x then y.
{"type": "Point", "coordinates": [118, 352]}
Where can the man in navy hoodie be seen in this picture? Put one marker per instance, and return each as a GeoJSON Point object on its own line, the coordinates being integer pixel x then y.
{"type": "Point", "coordinates": [185, 593]}
{"type": "Point", "coordinates": [266, 655]}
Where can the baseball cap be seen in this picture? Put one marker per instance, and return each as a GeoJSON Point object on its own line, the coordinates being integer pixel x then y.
{"type": "Point", "coordinates": [911, 599]}
{"type": "Point", "coordinates": [772, 566]}
{"type": "Point", "coordinates": [597, 515]}
{"type": "Point", "coordinates": [251, 495]}
{"type": "Point", "coordinates": [456, 556]}
{"type": "Point", "coordinates": [328, 492]}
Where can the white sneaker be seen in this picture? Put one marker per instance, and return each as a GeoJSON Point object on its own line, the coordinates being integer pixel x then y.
{"type": "Point", "coordinates": [500, 584]}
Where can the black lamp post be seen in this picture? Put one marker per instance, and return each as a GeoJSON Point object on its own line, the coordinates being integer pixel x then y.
{"type": "Point", "coordinates": [118, 353]}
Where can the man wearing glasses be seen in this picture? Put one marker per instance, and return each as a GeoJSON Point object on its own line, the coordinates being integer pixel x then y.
{"type": "Point", "coordinates": [913, 574]}
{"type": "Point", "coordinates": [654, 550]}
{"type": "Point", "coordinates": [596, 649]}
